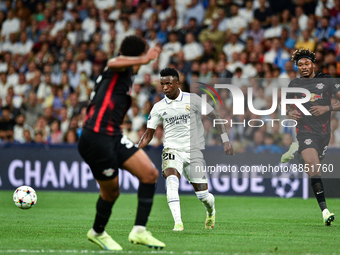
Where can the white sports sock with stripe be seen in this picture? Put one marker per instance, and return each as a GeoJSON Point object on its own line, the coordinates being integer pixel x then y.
{"type": "Point", "coordinates": [208, 200]}
{"type": "Point", "coordinates": [172, 184]}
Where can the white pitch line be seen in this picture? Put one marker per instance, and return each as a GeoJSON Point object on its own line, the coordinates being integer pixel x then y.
{"type": "Point", "coordinates": [106, 252]}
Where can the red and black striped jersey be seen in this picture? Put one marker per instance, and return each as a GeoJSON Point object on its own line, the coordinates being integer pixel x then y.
{"type": "Point", "coordinates": [321, 87]}
{"type": "Point", "coordinates": [110, 100]}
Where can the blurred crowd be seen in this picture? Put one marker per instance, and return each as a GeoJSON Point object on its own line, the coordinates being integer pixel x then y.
{"type": "Point", "coordinates": [52, 51]}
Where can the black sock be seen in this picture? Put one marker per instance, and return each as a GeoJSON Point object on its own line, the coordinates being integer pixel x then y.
{"type": "Point", "coordinates": [145, 200]}
{"type": "Point", "coordinates": [318, 191]}
{"type": "Point", "coordinates": [103, 214]}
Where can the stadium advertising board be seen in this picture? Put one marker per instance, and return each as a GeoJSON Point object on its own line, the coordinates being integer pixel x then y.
{"type": "Point", "coordinates": [61, 168]}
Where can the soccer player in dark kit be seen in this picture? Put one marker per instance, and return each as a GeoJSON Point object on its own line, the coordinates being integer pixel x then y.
{"type": "Point", "coordinates": [105, 149]}
{"type": "Point", "coordinates": [313, 131]}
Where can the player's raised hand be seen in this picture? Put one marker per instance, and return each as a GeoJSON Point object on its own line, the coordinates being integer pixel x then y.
{"type": "Point", "coordinates": [228, 149]}
{"type": "Point", "coordinates": [318, 110]}
{"type": "Point", "coordinates": [153, 53]}
{"type": "Point", "coordinates": [295, 115]}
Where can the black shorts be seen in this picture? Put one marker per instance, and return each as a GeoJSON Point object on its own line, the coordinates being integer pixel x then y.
{"type": "Point", "coordinates": [105, 154]}
{"type": "Point", "coordinates": [318, 142]}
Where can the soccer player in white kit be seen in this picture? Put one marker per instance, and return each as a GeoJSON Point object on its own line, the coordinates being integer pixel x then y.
{"type": "Point", "coordinates": [180, 114]}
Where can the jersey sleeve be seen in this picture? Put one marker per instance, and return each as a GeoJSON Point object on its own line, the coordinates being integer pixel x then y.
{"type": "Point", "coordinates": [196, 104]}
{"type": "Point", "coordinates": [291, 85]}
{"type": "Point", "coordinates": [154, 118]}
{"type": "Point", "coordinates": [334, 84]}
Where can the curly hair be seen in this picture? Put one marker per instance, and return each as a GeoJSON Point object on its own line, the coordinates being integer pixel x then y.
{"type": "Point", "coordinates": [303, 53]}
{"type": "Point", "coordinates": [132, 46]}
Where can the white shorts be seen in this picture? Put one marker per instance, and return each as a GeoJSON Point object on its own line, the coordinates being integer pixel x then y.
{"type": "Point", "coordinates": [186, 163]}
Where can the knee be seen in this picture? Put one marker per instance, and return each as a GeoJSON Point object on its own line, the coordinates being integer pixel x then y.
{"type": "Point", "coordinates": [110, 195]}
{"type": "Point", "coordinates": [312, 167]}
{"type": "Point", "coordinates": [150, 176]}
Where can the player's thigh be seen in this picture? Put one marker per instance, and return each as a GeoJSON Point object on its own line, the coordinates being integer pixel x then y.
{"type": "Point", "coordinates": [99, 152]}
{"type": "Point", "coordinates": [140, 165]}
{"type": "Point", "coordinates": [323, 145]}
{"type": "Point", "coordinates": [172, 163]}
{"type": "Point", "coordinates": [195, 169]}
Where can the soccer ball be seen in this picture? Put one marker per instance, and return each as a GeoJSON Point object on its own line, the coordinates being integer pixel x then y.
{"type": "Point", "coordinates": [25, 197]}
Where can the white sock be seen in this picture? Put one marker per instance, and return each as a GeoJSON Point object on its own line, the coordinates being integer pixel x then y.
{"type": "Point", "coordinates": [208, 200]}
{"type": "Point", "coordinates": [138, 229]}
{"type": "Point", "coordinates": [96, 234]}
{"type": "Point", "coordinates": [324, 212]}
{"type": "Point", "coordinates": [172, 184]}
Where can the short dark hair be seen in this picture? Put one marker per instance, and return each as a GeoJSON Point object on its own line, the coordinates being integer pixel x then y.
{"type": "Point", "coordinates": [169, 72]}
{"type": "Point", "coordinates": [303, 53]}
{"type": "Point", "coordinates": [132, 46]}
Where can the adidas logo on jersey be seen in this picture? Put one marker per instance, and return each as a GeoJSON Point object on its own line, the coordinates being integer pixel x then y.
{"type": "Point", "coordinates": [164, 113]}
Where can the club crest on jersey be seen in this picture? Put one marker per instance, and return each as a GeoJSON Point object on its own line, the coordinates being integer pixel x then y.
{"type": "Point", "coordinates": [314, 97]}
{"type": "Point", "coordinates": [337, 86]}
{"type": "Point", "coordinates": [320, 85]}
{"type": "Point", "coordinates": [187, 108]}
{"type": "Point", "coordinates": [108, 172]}
{"type": "Point", "coordinates": [308, 141]}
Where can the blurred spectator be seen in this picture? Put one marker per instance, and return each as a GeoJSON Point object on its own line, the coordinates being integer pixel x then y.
{"type": "Point", "coordinates": [73, 76]}
{"type": "Point", "coordinates": [71, 137]}
{"type": "Point", "coordinates": [232, 46]}
{"type": "Point", "coordinates": [287, 140]}
{"type": "Point", "coordinates": [55, 136]}
{"type": "Point", "coordinates": [192, 50]}
{"type": "Point", "coordinates": [39, 137]}
{"type": "Point", "coordinates": [210, 13]}
{"type": "Point", "coordinates": [306, 41]}
{"type": "Point", "coordinates": [268, 146]}
{"type": "Point", "coordinates": [324, 32]}
{"type": "Point", "coordinates": [28, 136]}
{"type": "Point", "coordinates": [263, 14]}
{"type": "Point", "coordinates": [74, 106]}
{"type": "Point", "coordinates": [213, 34]}
{"type": "Point", "coordinates": [10, 25]}
{"type": "Point", "coordinates": [247, 11]}
{"type": "Point", "coordinates": [277, 54]}
{"type": "Point", "coordinates": [136, 118]}
{"type": "Point", "coordinates": [256, 32]}
{"type": "Point", "coordinates": [194, 10]}
{"type": "Point", "coordinates": [83, 64]}
{"type": "Point", "coordinates": [20, 127]}
{"type": "Point", "coordinates": [127, 130]}
{"type": "Point", "coordinates": [84, 88]}
{"type": "Point", "coordinates": [235, 24]}
{"type": "Point", "coordinates": [275, 29]}
{"type": "Point", "coordinates": [6, 123]}
{"type": "Point", "coordinates": [302, 17]}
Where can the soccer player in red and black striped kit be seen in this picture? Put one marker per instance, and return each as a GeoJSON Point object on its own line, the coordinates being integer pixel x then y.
{"type": "Point", "coordinates": [313, 131]}
{"type": "Point", "coordinates": [105, 149]}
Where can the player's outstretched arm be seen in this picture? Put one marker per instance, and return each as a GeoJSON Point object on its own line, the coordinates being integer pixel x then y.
{"type": "Point", "coordinates": [146, 138]}
{"type": "Point", "coordinates": [121, 62]}
{"type": "Point", "coordinates": [228, 148]}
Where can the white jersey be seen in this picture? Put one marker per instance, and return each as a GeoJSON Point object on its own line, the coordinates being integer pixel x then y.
{"type": "Point", "coordinates": [182, 124]}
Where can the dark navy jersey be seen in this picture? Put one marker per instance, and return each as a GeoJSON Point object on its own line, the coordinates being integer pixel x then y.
{"type": "Point", "coordinates": [110, 100]}
{"type": "Point", "coordinates": [321, 87]}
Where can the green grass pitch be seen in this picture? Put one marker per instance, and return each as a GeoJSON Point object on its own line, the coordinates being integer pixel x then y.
{"type": "Point", "coordinates": [58, 224]}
